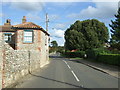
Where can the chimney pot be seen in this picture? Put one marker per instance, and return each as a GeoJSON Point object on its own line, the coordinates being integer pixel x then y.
{"type": "Point", "coordinates": [8, 22]}
{"type": "Point", "coordinates": [24, 19]}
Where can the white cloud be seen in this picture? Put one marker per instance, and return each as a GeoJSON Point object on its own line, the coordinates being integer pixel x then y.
{"type": "Point", "coordinates": [60, 0]}
{"type": "Point", "coordinates": [2, 14]}
{"type": "Point", "coordinates": [45, 0]}
{"type": "Point", "coordinates": [28, 6]}
{"type": "Point", "coordinates": [58, 33]}
{"type": "Point", "coordinates": [53, 17]}
{"type": "Point", "coordinates": [60, 25]}
{"type": "Point", "coordinates": [60, 41]}
{"type": "Point", "coordinates": [104, 0]}
{"type": "Point", "coordinates": [32, 17]}
{"type": "Point", "coordinates": [103, 10]}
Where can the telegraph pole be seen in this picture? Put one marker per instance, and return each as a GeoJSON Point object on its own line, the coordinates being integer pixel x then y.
{"type": "Point", "coordinates": [47, 20]}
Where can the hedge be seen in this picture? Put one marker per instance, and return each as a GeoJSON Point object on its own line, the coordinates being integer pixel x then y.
{"type": "Point", "coordinates": [93, 53]}
{"type": "Point", "coordinates": [75, 54]}
{"type": "Point", "coordinates": [113, 59]}
{"type": "Point", "coordinates": [99, 55]}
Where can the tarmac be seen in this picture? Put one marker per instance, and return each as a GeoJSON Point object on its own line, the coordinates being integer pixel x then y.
{"type": "Point", "coordinates": [105, 68]}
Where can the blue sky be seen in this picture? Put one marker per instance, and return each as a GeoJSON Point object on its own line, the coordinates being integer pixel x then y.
{"type": "Point", "coordinates": [61, 14]}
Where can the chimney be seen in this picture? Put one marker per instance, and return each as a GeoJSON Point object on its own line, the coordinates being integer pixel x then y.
{"type": "Point", "coordinates": [24, 19]}
{"type": "Point", "coordinates": [8, 22]}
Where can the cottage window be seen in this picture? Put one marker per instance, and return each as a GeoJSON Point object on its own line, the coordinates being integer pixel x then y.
{"type": "Point", "coordinates": [28, 36]}
{"type": "Point", "coordinates": [7, 37]}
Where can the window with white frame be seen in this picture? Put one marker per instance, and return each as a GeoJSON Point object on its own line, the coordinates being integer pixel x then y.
{"type": "Point", "coordinates": [28, 36]}
{"type": "Point", "coordinates": [7, 37]}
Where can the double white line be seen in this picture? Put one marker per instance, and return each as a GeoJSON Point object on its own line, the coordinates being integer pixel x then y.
{"type": "Point", "coordinates": [72, 71]}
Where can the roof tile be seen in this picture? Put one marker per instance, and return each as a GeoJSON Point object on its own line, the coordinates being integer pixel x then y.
{"type": "Point", "coordinates": [27, 25]}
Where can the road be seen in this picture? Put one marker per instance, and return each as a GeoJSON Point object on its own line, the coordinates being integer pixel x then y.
{"type": "Point", "coordinates": [64, 73]}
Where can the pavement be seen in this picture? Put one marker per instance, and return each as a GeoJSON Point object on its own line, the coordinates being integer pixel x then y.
{"type": "Point", "coordinates": [67, 73]}
{"type": "Point", "coordinates": [105, 68]}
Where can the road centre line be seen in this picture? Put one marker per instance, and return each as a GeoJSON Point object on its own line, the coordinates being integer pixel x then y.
{"type": "Point", "coordinates": [75, 76]}
{"type": "Point", "coordinates": [69, 67]}
{"type": "Point", "coordinates": [72, 71]}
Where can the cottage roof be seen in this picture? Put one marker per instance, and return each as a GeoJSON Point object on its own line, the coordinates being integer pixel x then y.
{"type": "Point", "coordinates": [27, 25]}
{"type": "Point", "coordinates": [6, 28]}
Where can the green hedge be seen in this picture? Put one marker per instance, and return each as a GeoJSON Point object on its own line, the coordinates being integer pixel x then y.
{"type": "Point", "coordinates": [93, 53]}
{"type": "Point", "coordinates": [99, 55]}
{"type": "Point", "coordinates": [75, 54]}
{"type": "Point", "coordinates": [113, 59]}
{"type": "Point", "coordinates": [104, 56]}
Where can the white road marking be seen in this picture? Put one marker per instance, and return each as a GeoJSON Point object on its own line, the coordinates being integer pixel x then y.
{"type": "Point", "coordinates": [75, 76]}
{"type": "Point", "coordinates": [72, 71]}
{"type": "Point", "coordinates": [65, 62]}
{"type": "Point", "coordinates": [69, 67]}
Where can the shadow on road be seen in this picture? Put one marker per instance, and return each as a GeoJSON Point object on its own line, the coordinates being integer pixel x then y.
{"type": "Point", "coordinates": [59, 81]}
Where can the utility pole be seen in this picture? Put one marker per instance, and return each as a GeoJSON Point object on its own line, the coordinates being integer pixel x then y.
{"type": "Point", "coordinates": [47, 20]}
{"type": "Point", "coordinates": [118, 4]}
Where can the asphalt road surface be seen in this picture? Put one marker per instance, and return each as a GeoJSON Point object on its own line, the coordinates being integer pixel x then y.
{"type": "Point", "coordinates": [64, 73]}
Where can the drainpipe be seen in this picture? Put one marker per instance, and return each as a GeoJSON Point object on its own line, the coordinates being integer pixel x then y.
{"type": "Point", "coordinates": [29, 61]}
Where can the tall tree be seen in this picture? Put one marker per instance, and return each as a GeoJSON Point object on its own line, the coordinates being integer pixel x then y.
{"type": "Point", "coordinates": [54, 44]}
{"type": "Point", "coordinates": [53, 47]}
{"type": "Point", "coordinates": [116, 28]}
{"type": "Point", "coordinates": [86, 34]}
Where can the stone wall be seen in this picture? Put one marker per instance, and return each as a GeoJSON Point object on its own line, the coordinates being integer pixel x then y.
{"type": "Point", "coordinates": [20, 45]}
{"type": "Point", "coordinates": [18, 63]}
{"type": "Point", "coordinates": [1, 59]}
{"type": "Point", "coordinates": [44, 48]}
{"type": "Point", "coordinates": [14, 64]}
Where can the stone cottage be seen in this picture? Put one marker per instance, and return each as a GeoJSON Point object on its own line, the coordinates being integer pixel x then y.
{"type": "Point", "coordinates": [25, 36]}
{"type": "Point", "coordinates": [23, 49]}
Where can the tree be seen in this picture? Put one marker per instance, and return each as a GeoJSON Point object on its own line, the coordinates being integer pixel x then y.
{"type": "Point", "coordinates": [54, 43]}
{"type": "Point", "coordinates": [53, 47]}
{"type": "Point", "coordinates": [86, 34]}
{"type": "Point", "coordinates": [74, 40]}
{"type": "Point", "coordinates": [116, 28]}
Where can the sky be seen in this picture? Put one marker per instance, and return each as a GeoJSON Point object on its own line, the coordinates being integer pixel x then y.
{"type": "Point", "coordinates": [61, 14]}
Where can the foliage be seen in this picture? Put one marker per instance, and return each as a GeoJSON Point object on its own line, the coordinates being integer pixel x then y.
{"type": "Point", "coordinates": [75, 54]}
{"type": "Point", "coordinates": [53, 47]}
{"type": "Point", "coordinates": [83, 35]}
{"type": "Point", "coordinates": [54, 44]}
{"type": "Point", "coordinates": [116, 27]}
{"type": "Point", "coordinates": [115, 41]}
{"type": "Point", "coordinates": [93, 53]}
{"type": "Point", "coordinates": [103, 55]}
{"type": "Point", "coordinates": [113, 59]}
{"type": "Point", "coordinates": [60, 49]}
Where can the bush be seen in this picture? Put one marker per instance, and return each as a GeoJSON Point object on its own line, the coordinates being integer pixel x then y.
{"type": "Point", "coordinates": [75, 54]}
{"type": "Point", "coordinates": [93, 53]}
{"type": "Point", "coordinates": [113, 59]}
